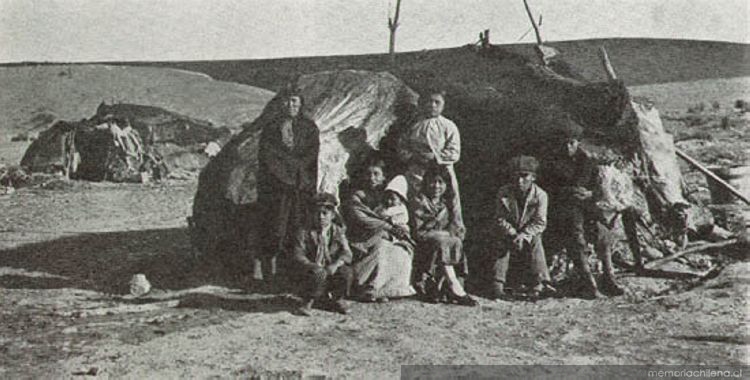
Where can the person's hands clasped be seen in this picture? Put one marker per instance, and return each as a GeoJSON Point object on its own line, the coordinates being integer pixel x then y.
{"type": "Point", "coordinates": [319, 272]}
{"type": "Point", "coordinates": [400, 232]}
{"type": "Point", "coordinates": [457, 231]}
{"type": "Point", "coordinates": [581, 193]}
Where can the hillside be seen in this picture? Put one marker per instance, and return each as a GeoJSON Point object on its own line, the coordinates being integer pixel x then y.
{"type": "Point", "coordinates": [637, 61]}
{"type": "Point", "coordinates": [37, 94]}
{"type": "Point", "coordinates": [649, 61]}
{"type": "Point", "coordinates": [680, 96]}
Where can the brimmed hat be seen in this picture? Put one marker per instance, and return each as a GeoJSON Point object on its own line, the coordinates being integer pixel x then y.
{"type": "Point", "coordinates": [569, 129]}
{"type": "Point", "coordinates": [290, 89]}
{"type": "Point", "coordinates": [399, 186]}
{"type": "Point", "coordinates": [524, 164]}
{"type": "Point", "coordinates": [325, 200]}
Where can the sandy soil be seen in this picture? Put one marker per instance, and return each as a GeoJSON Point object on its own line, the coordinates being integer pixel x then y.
{"type": "Point", "coordinates": [66, 256]}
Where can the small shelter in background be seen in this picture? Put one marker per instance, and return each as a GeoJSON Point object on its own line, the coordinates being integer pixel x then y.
{"type": "Point", "coordinates": [124, 143]}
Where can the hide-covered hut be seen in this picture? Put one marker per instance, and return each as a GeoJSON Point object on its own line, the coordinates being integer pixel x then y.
{"type": "Point", "coordinates": [121, 142]}
{"type": "Point", "coordinates": [503, 104]}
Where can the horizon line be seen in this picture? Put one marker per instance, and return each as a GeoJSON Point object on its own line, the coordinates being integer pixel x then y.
{"type": "Point", "coordinates": [62, 62]}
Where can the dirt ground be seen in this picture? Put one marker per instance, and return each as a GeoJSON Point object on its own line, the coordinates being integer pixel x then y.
{"type": "Point", "coordinates": [67, 254]}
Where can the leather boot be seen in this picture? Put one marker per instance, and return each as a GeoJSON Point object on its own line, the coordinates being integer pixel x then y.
{"type": "Point", "coordinates": [338, 306]}
{"type": "Point", "coordinates": [465, 300]}
{"type": "Point", "coordinates": [589, 290]}
{"type": "Point", "coordinates": [305, 308]}
{"type": "Point", "coordinates": [498, 291]}
{"type": "Point", "coordinates": [610, 285]}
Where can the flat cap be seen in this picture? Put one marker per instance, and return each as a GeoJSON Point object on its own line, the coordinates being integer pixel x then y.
{"type": "Point", "coordinates": [524, 164]}
{"type": "Point", "coordinates": [325, 200]}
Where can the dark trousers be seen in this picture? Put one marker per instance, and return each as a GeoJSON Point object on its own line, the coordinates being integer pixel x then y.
{"type": "Point", "coordinates": [577, 228]}
{"type": "Point", "coordinates": [630, 225]}
{"type": "Point", "coordinates": [282, 211]}
{"type": "Point", "coordinates": [529, 266]}
{"type": "Point", "coordinates": [317, 283]}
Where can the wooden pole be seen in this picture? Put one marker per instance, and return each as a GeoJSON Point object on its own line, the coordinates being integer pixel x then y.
{"type": "Point", "coordinates": [392, 26]}
{"type": "Point", "coordinates": [533, 23]}
{"type": "Point", "coordinates": [607, 64]}
{"type": "Point", "coordinates": [659, 262]}
{"type": "Point", "coordinates": [712, 175]}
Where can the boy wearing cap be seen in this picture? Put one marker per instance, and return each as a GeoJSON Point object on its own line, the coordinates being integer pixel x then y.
{"type": "Point", "coordinates": [521, 218]}
{"type": "Point", "coordinates": [322, 255]}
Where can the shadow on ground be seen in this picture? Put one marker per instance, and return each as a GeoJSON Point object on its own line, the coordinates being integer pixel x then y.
{"type": "Point", "coordinates": [105, 262]}
{"type": "Point", "coordinates": [740, 340]}
{"type": "Point", "coordinates": [272, 304]}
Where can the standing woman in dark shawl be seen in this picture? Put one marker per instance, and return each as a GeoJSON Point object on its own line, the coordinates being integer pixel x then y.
{"type": "Point", "coordinates": [287, 176]}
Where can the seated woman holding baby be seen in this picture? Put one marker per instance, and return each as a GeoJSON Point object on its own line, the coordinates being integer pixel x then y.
{"type": "Point", "coordinates": [378, 233]}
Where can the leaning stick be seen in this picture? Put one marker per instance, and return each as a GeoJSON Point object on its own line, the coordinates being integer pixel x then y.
{"type": "Point", "coordinates": [607, 64]}
{"type": "Point", "coordinates": [659, 262]}
{"type": "Point", "coordinates": [533, 23]}
{"type": "Point", "coordinates": [712, 175]}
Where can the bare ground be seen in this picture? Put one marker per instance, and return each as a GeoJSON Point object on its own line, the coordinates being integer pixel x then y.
{"type": "Point", "coordinates": [68, 251]}
{"type": "Point", "coordinates": [66, 257]}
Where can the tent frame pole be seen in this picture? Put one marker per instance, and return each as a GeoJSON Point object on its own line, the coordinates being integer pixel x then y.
{"type": "Point", "coordinates": [712, 175]}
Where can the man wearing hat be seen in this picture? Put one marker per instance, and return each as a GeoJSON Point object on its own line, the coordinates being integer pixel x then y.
{"type": "Point", "coordinates": [570, 175]}
{"type": "Point", "coordinates": [521, 218]}
{"type": "Point", "coordinates": [322, 256]}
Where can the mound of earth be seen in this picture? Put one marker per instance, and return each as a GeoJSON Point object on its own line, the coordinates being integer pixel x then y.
{"type": "Point", "coordinates": [637, 60]}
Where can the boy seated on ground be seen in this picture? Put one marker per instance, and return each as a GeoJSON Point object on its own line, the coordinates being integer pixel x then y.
{"type": "Point", "coordinates": [322, 255]}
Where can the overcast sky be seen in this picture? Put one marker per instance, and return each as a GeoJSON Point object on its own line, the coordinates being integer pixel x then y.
{"type": "Point", "coordinates": [104, 30]}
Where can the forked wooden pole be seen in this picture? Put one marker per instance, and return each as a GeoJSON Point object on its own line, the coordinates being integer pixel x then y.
{"type": "Point", "coordinates": [392, 27]}
{"type": "Point", "coordinates": [533, 23]}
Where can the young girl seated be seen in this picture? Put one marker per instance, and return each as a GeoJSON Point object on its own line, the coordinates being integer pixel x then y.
{"type": "Point", "coordinates": [440, 262]}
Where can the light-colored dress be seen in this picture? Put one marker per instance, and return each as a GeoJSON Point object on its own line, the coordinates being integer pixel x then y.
{"type": "Point", "coordinates": [382, 264]}
{"type": "Point", "coordinates": [398, 215]}
{"type": "Point", "coordinates": [437, 137]}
